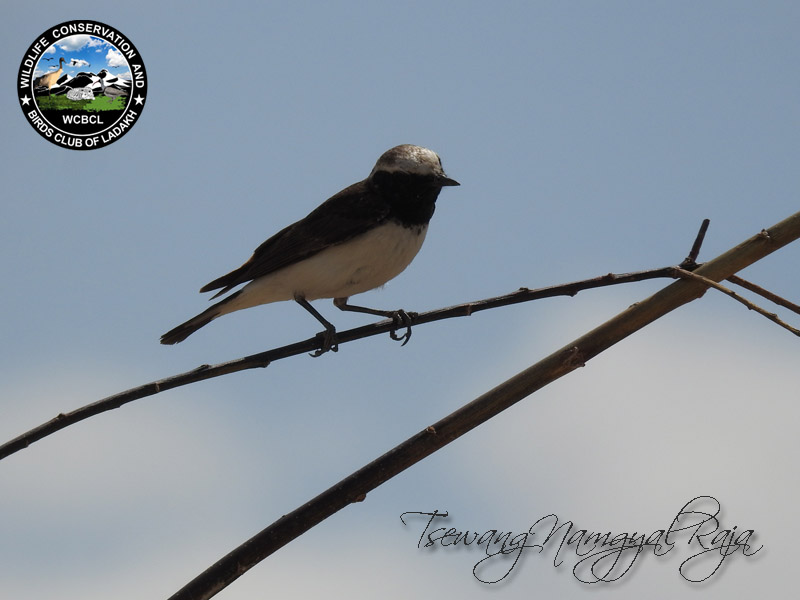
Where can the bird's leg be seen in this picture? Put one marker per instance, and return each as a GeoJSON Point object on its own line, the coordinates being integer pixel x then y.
{"type": "Point", "coordinates": [328, 336]}
{"type": "Point", "coordinates": [400, 317]}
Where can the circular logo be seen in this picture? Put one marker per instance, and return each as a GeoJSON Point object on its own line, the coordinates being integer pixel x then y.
{"type": "Point", "coordinates": [82, 85]}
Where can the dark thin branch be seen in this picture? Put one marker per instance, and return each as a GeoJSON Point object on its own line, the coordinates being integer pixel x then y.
{"type": "Point", "coordinates": [263, 359]}
{"type": "Point", "coordinates": [764, 293]}
{"type": "Point", "coordinates": [575, 354]}
{"type": "Point", "coordinates": [690, 261]}
{"type": "Point", "coordinates": [754, 307]}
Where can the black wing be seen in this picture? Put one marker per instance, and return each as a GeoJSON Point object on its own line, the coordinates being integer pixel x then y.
{"type": "Point", "coordinates": [344, 216]}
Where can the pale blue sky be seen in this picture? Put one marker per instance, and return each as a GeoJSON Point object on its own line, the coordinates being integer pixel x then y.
{"type": "Point", "coordinates": [588, 137]}
{"type": "Point", "coordinates": [86, 52]}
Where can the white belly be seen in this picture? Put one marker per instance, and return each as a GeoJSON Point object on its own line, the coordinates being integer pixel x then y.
{"type": "Point", "coordinates": [356, 266]}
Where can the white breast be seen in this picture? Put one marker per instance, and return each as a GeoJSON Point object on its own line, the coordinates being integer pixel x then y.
{"type": "Point", "coordinates": [358, 265]}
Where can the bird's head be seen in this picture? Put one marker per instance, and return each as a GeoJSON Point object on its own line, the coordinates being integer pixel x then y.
{"type": "Point", "coordinates": [407, 162]}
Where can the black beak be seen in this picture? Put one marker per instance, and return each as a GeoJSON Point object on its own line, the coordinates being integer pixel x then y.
{"type": "Point", "coordinates": [445, 181]}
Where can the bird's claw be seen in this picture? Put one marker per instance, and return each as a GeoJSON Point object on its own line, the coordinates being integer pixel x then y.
{"type": "Point", "coordinates": [329, 343]}
{"type": "Point", "coordinates": [402, 319]}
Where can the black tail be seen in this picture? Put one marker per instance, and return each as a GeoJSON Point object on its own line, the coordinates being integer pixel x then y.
{"type": "Point", "coordinates": [226, 282]}
{"type": "Point", "coordinates": [184, 330]}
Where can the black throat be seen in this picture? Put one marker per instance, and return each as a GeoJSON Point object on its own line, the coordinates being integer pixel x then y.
{"type": "Point", "coordinates": [412, 198]}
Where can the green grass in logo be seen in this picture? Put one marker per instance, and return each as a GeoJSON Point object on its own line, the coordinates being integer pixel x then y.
{"type": "Point", "coordinates": [100, 103]}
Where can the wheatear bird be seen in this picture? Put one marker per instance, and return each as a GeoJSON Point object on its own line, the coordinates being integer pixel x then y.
{"type": "Point", "coordinates": [353, 242]}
